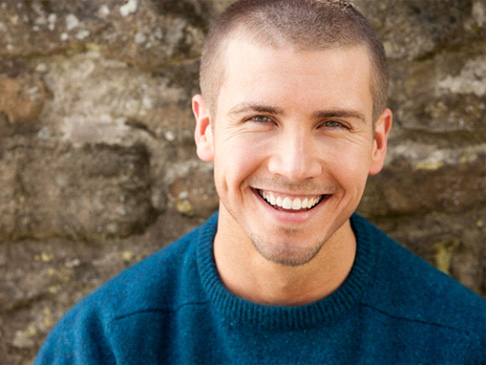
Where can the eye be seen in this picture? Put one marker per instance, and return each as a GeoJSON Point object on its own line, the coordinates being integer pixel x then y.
{"type": "Point", "coordinates": [334, 124]}
{"type": "Point", "coordinates": [260, 119]}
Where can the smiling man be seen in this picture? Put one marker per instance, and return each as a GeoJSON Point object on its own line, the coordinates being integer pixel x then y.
{"type": "Point", "coordinates": [292, 113]}
{"type": "Point", "coordinates": [293, 142]}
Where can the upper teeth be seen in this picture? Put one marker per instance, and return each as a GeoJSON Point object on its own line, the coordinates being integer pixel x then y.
{"type": "Point", "coordinates": [290, 202]}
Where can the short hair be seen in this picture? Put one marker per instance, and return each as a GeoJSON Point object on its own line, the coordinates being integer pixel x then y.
{"type": "Point", "coordinates": [307, 25]}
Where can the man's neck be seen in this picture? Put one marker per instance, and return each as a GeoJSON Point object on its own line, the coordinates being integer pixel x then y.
{"type": "Point", "coordinates": [247, 274]}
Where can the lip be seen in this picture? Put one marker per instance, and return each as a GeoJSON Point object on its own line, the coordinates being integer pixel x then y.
{"type": "Point", "coordinates": [289, 217]}
{"type": "Point", "coordinates": [294, 195]}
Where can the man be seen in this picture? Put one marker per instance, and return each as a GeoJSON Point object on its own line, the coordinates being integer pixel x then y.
{"type": "Point", "coordinates": [293, 115]}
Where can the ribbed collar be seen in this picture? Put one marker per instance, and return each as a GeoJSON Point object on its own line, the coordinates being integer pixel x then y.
{"type": "Point", "coordinates": [323, 311]}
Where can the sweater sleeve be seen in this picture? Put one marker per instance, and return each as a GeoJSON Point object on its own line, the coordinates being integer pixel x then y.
{"type": "Point", "coordinates": [79, 338]}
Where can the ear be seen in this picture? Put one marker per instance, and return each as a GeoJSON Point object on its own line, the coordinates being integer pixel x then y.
{"type": "Point", "coordinates": [382, 128]}
{"type": "Point", "coordinates": [203, 134]}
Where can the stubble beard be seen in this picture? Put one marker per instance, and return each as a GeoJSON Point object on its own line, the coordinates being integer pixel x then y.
{"type": "Point", "coordinates": [290, 252]}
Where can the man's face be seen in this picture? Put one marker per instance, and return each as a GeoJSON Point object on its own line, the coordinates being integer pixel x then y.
{"type": "Point", "coordinates": [292, 143]}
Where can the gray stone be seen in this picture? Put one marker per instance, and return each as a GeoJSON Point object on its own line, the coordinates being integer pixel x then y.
{"type": "Point", "coordinates": [60, 191]}
{"type": "Point", "coordinates": [443, 94]}
{"type": "Point", "coordinates": [174, 29]}
{"type": "Point", "coordinates": [420, 178]}
{"type": "Point", "coordinates": [415, 29]}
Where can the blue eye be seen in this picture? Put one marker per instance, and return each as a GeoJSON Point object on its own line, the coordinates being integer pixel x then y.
{"type": "Point", "coordinates": [260, 119]}
{"type": "Point", "coordinates": [334, 125]}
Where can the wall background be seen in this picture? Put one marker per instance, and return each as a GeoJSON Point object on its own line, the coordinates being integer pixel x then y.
{"type": "Point", "coordinates": [98, 167]}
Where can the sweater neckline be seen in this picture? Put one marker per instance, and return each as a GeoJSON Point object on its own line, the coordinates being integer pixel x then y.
{"type": "Point", "coordinates": [326, 310]}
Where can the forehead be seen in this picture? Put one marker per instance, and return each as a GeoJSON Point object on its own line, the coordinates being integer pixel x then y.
{"type": "Point", "coordinates": [338, 77]}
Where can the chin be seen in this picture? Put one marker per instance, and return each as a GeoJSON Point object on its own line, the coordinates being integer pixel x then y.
{"type": "Point", "coordinates": [287, 252]}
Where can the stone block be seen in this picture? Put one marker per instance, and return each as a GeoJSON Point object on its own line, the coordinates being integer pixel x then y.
{"type": "Point", "coordinates": [60, 191]}
{"type": "Point", "coordinates": [415, 29]}
{"type": "Point", "coordinates": [441, 95]}
{"type": "Point", "coordinates": [421, 179]}
{"type": "Point", "coordinates": [95, 100]}
{"type": "Point", "coordinates": [138, 32]}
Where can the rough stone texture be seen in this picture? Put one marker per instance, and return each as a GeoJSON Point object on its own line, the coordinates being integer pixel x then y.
{"type": "Point", "coordinates": [84, 194]}
{"type": "Point", "coordinates": [415, 29]}
{"type": "Point", "coordinates": [423, 178]}
{"type": "Point", "coordinates": [97, 162]}
{"type": "Point", "coordinates": [142, 32]}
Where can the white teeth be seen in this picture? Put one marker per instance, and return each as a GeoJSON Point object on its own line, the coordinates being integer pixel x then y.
{"type": "Point", "coordinates": [287, 203]}
{"type": "Point", "coordinates": [273, 201]}
{"type": "Point", "coordinates": [290, 203]}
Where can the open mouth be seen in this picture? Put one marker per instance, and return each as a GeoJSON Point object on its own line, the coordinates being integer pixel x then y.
{"type": "Point", "coordinates": [288, 203]}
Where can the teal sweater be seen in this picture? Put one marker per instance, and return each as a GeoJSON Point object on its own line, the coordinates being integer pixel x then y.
{"type": "Point", "coordinates": [172, 307]}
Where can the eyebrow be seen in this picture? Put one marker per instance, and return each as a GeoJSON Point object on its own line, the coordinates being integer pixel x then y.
{"type": "Point", "coordinates": [339, 113]}
{"type": "Point", "coordinates": [253, 107]}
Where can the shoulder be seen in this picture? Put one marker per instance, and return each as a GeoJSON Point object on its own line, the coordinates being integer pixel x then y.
{"type": "Point", "coordinates": [153, 282]}
{"type": "Point", "coordinates": [158, 284]}
{"type": "Point", "coordinates": [408, 288]}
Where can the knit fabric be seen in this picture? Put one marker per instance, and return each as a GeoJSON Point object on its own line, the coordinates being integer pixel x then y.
{"type": "Point", "coordinates": [172, 307]}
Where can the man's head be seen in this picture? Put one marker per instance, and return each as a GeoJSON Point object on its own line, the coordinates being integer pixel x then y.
{"type": "Point", "coordinates": [293, 138]}
{"type": "Point", "coordinates": [305, 25]}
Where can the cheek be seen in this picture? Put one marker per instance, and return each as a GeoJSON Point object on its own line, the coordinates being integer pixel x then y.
{"type": "Point", "coordinates": [235, 160]}
{"type": "Point", "coordinates": [349, 163]}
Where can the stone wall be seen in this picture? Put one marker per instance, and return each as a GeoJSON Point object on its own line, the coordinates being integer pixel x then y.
{"type": "Point", "coordinates": [98, 167]}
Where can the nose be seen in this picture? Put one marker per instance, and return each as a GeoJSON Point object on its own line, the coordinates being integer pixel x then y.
{"type": "Point", "coordinates": [295, 156]}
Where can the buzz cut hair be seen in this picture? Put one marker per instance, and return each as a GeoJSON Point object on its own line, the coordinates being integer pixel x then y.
{"type": "Point", "coordinates": [306, 25]}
